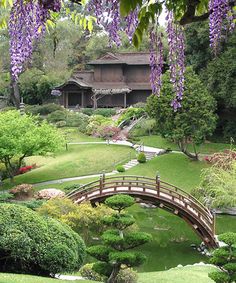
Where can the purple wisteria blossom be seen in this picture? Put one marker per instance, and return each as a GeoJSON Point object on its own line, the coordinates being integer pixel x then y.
{"type": "Point", "coordinates": [156, 61]}
{"type": "Point", "coordinates": [132, 23]}
{"type": "Point", "coordinates": [221, 19]}
{"type": "Point", "coordinates": [108, 16]}
{"type": "Point", "coordinates": [27, 24]}
{"type": "Point", "coordinates": [175, 34]}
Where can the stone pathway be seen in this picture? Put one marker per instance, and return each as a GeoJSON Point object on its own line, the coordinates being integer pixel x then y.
{"type": "Point", "coordinates": [69, 277]}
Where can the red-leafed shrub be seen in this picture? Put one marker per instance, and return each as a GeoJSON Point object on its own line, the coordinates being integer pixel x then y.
{"type": "Point", "coordinates": [222, 159]}
{"type": "Point", "coordinates": [25, 169]}
{"type": "Point", "coordinates": [109, 132]}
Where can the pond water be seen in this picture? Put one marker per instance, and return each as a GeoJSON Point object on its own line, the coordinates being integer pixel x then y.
{"type": "Point", "coordinates": [172, 238]}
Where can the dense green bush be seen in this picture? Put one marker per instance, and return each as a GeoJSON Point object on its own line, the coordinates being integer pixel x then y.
{"type": "Point", "coordinates": [72, 187]}
{"type": "Point", "coordinates": [30, 243]}
{"type": "Point", "coordinates": [5, 196]}
{"type": "Point", "coordinates": [56, 116]}
{"type": "Point", "coordinates": [120, 168]}
{"type": "Point", "coordinates": [79, 120]}
{"type": "Point", "coordinates": [131, 113]}
{"type": "Point", "coordinates": [95, 123]}
{"type": "Point", "coordinates": [141, 157]}
{"type": "Point", "coordinates": [127, 275]}
{"type": "Point", "coordinates": [87, 111]}
{"type": "Point", "coordinates": [144, 128]}
{"type": "Point", "coordinates": [32, 204]}
{"type": "Point", "coordinates": [87, 272]}
{"type": "Point", "coordinates": [44, 109]}
{"type": "Point", "coordinates": [105, 112]}
{"type": "Point", "coordinates": [140, 105]}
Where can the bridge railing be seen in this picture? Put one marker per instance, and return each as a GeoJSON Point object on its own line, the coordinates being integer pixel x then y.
{"type": "Point", "coordinates": [152, 186]}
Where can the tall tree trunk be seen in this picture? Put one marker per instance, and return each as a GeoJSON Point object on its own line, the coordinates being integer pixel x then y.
{"type": "Point", "coordinates": [115, 271]}
{"type": "Point", "coordinates": [183, 147]}
{"type": "Point", "coordinates": [15, 92]}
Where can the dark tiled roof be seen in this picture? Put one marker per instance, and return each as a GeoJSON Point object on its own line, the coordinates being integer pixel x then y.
{"type": "Point", "coordinates": [128, 58]}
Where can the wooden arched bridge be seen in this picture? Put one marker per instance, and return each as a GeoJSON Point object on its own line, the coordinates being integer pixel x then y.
{"type": "Point", "coordinates": [156, 192]}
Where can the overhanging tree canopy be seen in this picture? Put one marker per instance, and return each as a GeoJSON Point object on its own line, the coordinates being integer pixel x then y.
{"type": "Point", "coordinates": [28, 21]}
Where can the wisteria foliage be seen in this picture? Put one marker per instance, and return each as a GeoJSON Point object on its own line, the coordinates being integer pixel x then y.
{"type": "Point", "coordinates": [28, 18]}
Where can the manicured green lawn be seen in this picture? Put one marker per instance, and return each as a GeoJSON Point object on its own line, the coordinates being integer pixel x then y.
{"type": "Point", "coordinates": [79, 160]}
{"type": "Point", "coordinates": [73, 135]}
{"type": "Point", "coordinates": [193, 274]}
{"type": "Point", "coordinates": [159, 142]}
{"type": "Point", "coordinates": [174, 168]}
{"type": "Point", "coordinates": [21, 278]}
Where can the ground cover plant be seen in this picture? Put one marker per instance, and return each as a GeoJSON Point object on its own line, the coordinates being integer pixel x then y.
{"type": "Point", "coordinates": [36, 245]}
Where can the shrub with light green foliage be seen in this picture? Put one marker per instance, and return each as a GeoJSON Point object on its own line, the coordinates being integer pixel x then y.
{"type": "Point", "coordinates": [96, 122]}
{"type": "Point", "coordinates": [120, 168]}
{"type": "Point", "coordinates": [56, 116]}
{"type": "Point", "coordinates": [87, 272]}
{"type": "Point", "coordinates": [131, 113]}
{"type": "Point", "coordinates": [216, 189]}
{"type": "Point", "coordinates": [141, 157]}
{"type": "Point", "coordinates": [144, 128]}
{"type": "Point", "coordinates": [105, 112]}
{"type": "Point", "coordinates": [79, 120]}
{"type": "Point", "coordinates": [5, 196]}
{"type": "Point", "coordinates": [127, 275]}
{"type": "Point", "coordinates": [30, 243]}
{"type": "Point", "coordinates": [44, 109]}
{"type": "Point", "coordinates": [23, 136]}
{"type": "Point", "coordinates": [72, 187]}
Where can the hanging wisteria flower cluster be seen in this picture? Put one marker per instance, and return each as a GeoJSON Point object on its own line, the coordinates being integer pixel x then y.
{"type": "Point", "coordinates": [108, 15]}
{"type": "Point", "coordinates": [156, 61]}
{"type": "Point", "coordinates": [221, 19]}
{"type": "Point", "coordinates": [175, 34]}
{"type": "Point", "coordinates": [27, 24]}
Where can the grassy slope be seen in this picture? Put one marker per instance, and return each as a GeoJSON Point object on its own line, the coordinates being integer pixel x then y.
{"type": "Point", "coordinates": [21, 278]}
{"type": "Point", "coordinates": [193, 274]}
{"type": "Point", "coordinates": [73, 135]}
{"type": "Point", "coordinates": [174, 168]}
{"type": "Point", "coordinates": [79, 160]}
{"type": "Point", "coordinates": [159, 142]}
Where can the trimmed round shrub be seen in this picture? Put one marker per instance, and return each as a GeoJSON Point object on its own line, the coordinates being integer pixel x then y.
{"type": "Point", "coordinates": [44, 109]}
{"type": "Point", "coordinates": [87, 111]}
{"type": "Point", "coordinates": [141, 157]}
{"type": "Point", "coordinates": [30, 243]}
{"type": "Point", "coordinates": [120, 168]}
{"type": "Point", "coordinates": [56, 116]}
{"type": "Point", "coordinates": [87, 272]}
{"type": "Point", "coordinates": [127, 275]}
{"type": "Point", "coordinates": [60, 124]}
{"type": "Point", "coordinates": [105, 112]}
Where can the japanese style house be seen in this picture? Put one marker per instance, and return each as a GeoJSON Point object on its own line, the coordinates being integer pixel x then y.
{"type": "Point", "coordinates": [117, 80]}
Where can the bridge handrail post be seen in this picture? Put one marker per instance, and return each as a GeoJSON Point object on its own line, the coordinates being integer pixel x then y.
{"type": "Point", "coordinates": [158, 183]}
{"type": "Point", "coordinates": [102, 181]}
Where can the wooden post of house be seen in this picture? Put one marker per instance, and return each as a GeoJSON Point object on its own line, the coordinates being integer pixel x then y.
{"type": "Point", "coordinates": [125, 100]}
{"type": "Point", "coordinates": [82, 99]}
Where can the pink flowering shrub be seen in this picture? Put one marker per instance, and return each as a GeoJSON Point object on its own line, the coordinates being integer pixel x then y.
{"type": "Point", "coordinates": [222, 159]}
{"type": "Point", "coordinates": [22, 191]}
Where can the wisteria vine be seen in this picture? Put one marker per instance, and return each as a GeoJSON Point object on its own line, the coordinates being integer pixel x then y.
{"type": "Point", "coordinates": [28, 19]}
{"type": "Point", "coordinates": [26, 25]}
{"type": "Point", "coordinates": [156, 61]}
{"type": "Point", "coordinates": [221, 19]}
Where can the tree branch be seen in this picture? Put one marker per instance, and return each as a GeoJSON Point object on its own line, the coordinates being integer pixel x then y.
{"type": "Point", "coordinates": [189, 16]}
